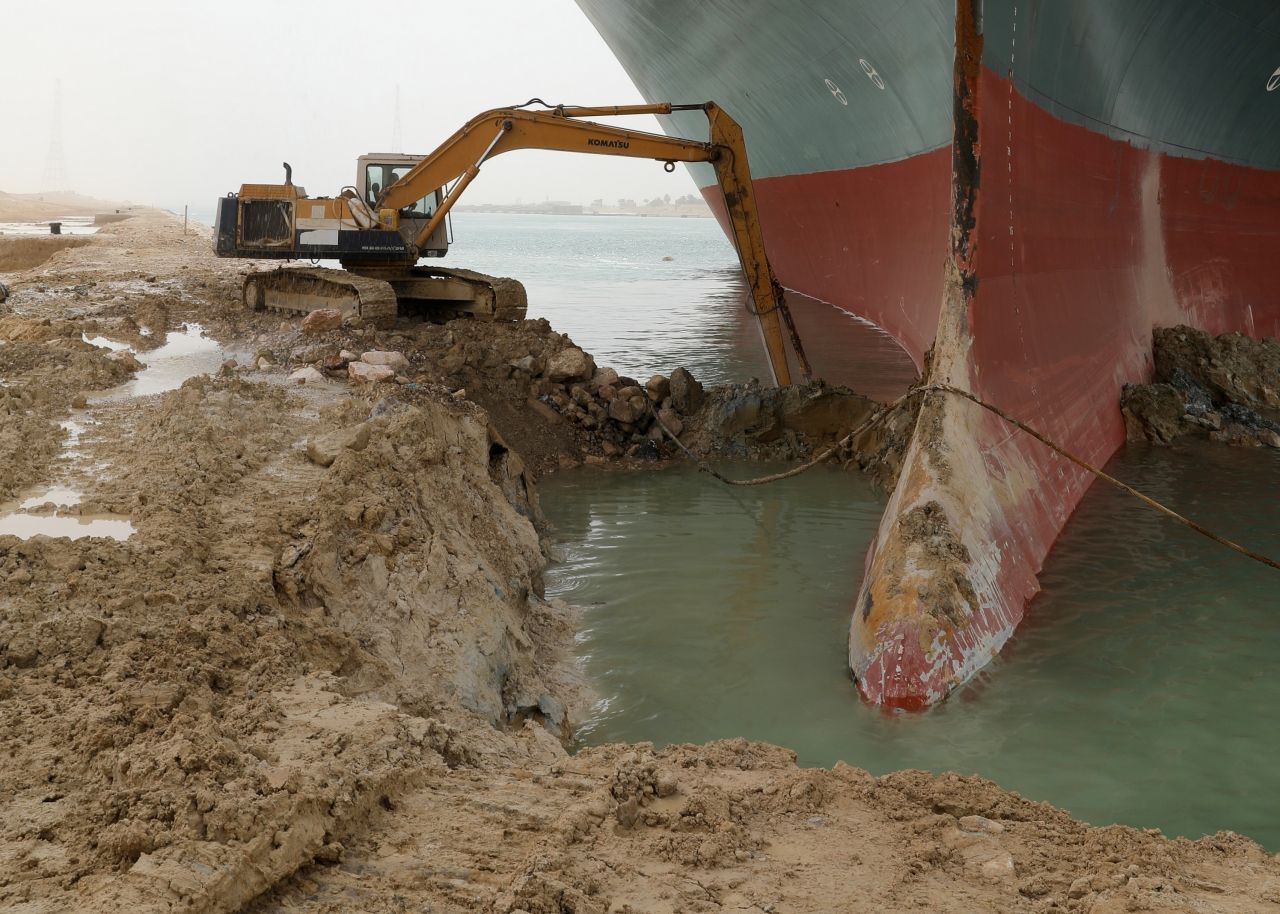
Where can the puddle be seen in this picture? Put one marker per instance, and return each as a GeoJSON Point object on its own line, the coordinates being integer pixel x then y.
{"type": "Point", "coordinates": [62, 496]}
{"type": "Point", "coordinates": [25, 526]}
{"type": "Point", "coordinates": [103, 342]}
{"type": "Point", "coordinates": [185, 354]}
{"type": "Point", "coordinates": [71, 225]}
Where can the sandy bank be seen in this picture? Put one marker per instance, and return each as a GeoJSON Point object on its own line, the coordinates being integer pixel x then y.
{"type": "Point", "coordinates": [40, 207]}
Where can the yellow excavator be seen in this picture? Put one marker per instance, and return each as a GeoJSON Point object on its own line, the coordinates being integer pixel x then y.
{"type": "Point", "coordinates": [395, 215]}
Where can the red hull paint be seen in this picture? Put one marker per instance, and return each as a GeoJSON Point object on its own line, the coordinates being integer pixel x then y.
{"type": "Point", "coordinates": [1084, 244]}
{"type": "Point", "coordinates": [860, 240]}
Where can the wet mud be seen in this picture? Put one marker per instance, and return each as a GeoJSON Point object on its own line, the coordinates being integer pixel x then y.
{"type": "Point", "coordinates": [321, 672]}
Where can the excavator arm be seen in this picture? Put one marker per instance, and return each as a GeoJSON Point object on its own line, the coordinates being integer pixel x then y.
{"type": "Point", "coordinates": [457, 162]}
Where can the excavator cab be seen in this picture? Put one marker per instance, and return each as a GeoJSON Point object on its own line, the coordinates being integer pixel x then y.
{"type": "Point", "coordinates": [376, 172]}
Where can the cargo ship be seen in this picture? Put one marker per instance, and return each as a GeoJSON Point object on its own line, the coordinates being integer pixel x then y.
{"type": "Point", "coordinates": [1018, 191]}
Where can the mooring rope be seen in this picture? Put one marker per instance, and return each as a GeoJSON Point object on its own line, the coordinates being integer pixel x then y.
{"type": "Point", "coordinates": [884, 411]}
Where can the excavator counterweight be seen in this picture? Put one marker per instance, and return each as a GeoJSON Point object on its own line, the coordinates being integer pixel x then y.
{"type": "Point", "coordinates": [397, 211]}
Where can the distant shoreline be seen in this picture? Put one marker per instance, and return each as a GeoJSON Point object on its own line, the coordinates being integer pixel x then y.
{"type": "Point", "coordinates": [670, 212]}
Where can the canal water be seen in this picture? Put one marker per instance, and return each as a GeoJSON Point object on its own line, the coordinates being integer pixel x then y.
{"type": "Point", "coordinates": [648, 294]}
{"type": "Point", "coordinates": [1141, 689]}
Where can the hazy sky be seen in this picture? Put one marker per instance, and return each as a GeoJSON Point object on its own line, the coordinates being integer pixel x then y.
{"type": "Point", "coordinates": [179, 102]}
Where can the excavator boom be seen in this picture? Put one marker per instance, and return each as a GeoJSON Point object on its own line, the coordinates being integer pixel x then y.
{"type": "Point", "coordinates": [395, 214]}
{"type": "Point", "coordinates": [458, 159]}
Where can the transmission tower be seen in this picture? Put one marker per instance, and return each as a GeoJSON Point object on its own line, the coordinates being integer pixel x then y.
{"type": "Point", "coordinates": [396, 142]}
{"type": "Point", "coordinates": [55, 165]}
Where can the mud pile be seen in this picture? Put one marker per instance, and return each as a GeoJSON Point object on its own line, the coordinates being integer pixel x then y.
{"type": "Point", "coordinates": [542, 390]}
{"type": "Point", "coordinates": [736, 826]}
{"type": "Point", "coordinates": [1226, 388]}
{"type": "Point", "coordinates": [194, 712]}
{"type": "Point", "coordinates": [322, 673]}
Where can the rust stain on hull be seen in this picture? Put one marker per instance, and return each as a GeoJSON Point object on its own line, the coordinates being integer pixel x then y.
{"type": "Point", "coordinates": [929, 611]}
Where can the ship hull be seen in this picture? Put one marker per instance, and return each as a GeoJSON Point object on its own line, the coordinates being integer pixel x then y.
{"type": "Point", "coordinates": [1074, 205]}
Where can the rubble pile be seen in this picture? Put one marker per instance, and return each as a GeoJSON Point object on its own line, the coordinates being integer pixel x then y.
{"type": "Point", "coordinates": [1225, 388]}
{"type": "Point", "coordinates": [545, 391]}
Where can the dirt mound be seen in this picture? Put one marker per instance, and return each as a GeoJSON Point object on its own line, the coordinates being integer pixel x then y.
{"type": "Point", "coordinates": [1226, 388]}
{"type": "Point", "coordinates": [735, 825]}
{"type": "Point", "coordinates": [277, 648]}
{"type": "Point", "coordinates": [541, 390]}
{"type": "Point", "coordinates": [22, 252]}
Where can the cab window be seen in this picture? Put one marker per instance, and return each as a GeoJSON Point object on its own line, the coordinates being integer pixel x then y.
{"type": "Point", "coordinates": [374, 182]}
{"type": "Point", "coordinates": [422, 208]}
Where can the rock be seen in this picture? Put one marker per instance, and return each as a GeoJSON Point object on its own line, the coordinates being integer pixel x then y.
{"type": "Point", "coordinates": [1152, 412]}
{"type": "Point", "coordinates": [347, 355]}
{"type": "Point", "coordinates": [570, 364]}
{"type": "Point", "coordinates": [333, 362]}
{"type": "Point", "coordinates": [263, 363]}
{"type": "Point", "coordinates": [622, 410]}
{"type": "Point", "coordinates": [607, 392]}
{"type": "Point", "coordinates": [371, 374]}
{"type": "Point", "coordinates": [658, 388]}
{"type": "Point", "coordinates": [687, 394]}
{"type": "Point", "coordinates": [552, 708]}
{"type": "Point", "coordinates": [307, 354]}
{"type": "Point", "coordinates": [323, 450]}
{"type": "Point", "coordinates": [394, 360]}
{"type": "Point", "coordinates": [980, 824]}
{"type": "Point", "coordinates": [1080, 887]}
{"type": "Point", "coordinates": [4, 292]}
{"type": "Point", "coordinates": [546, 411]}
{"type": "Point", "coordinates": [79, 401]}
{"type": "Point", "coordinates": [322, 320]}
{"type": "Point", "coordinates": [1232, 367]}
{"type": "Point", "coordinates": [286, 327]}
{"type": "Point", "coordinates": [628, 812]}
{"type": "Point", "coordinates": [1236, 435]}
{"type": "Point", "coordinates": [999, 867]}
{"type": "Point", "coordinates": [230, 365]}
{"type": "Point", "coordinates": [1197, 399]}
{"type": "Point", "coordinates": [306, 375]}
{"type": "Point", "coordinates": [127, 359]}
{"type": "Point", "coordinates": [671, 421]}
{"type": "Point", "coordinates": [528, 364]}
{"type": "Point", "coordinates": [604, 377]}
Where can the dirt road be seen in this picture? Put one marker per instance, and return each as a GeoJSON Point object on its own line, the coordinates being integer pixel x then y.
{"type": "Point", "coordinates": [320, 673]}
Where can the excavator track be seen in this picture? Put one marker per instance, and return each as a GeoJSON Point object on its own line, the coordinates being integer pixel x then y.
{"type": "Point", "coordinates": [494, 298]}
{"type": "Point", "coordinates": [301, 290]}
{"type": "Point", "coordinates": [422, 293]}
